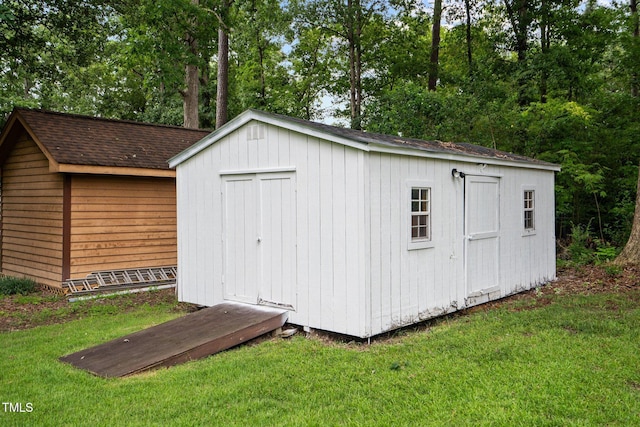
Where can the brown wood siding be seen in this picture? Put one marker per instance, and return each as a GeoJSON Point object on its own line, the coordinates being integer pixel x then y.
{"type": "Point", "coordinates": [122, 222]}
{"type": "Point", "coordinates": [31, 215]}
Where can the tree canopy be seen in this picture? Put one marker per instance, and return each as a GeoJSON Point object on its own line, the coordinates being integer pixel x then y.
{"type": "Point", "coordinates": [552, 80]}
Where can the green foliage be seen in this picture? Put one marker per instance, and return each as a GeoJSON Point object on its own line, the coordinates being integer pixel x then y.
{"type": "Point", "coordinates": [605, 253]}
{"type": "Point", "coordinates": [551, 80]}
{"type": "Point", "coordinates": [586, 249]}
{"type": "Point", "coordinates": [582, 245]}
{"type": "Point", "coordinates": [16, 285]}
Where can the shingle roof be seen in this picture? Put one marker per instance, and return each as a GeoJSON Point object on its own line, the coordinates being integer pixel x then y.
{"type": "Point", "coordinates": [399, 141]}
{"type": "Point", "coordinates": [89, 141]}
{"type": "Point", "coordinates": [369, 141]}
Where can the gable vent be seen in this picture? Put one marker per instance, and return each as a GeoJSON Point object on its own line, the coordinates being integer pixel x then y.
{"type": "Point", "coordinates": [255, 132]}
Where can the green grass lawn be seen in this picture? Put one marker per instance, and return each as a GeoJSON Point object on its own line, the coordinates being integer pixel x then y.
{"type": "Point", "coordinates": [575, 361]}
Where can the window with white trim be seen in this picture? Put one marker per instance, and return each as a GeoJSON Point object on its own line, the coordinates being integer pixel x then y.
{"type": "Point", "coordinates": [529, 210]}
{"type": "Point", "coordinates": [420, 214]}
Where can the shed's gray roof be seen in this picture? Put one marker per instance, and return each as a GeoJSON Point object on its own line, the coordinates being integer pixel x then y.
{"type": "Point", "coordinates": [366, 140]}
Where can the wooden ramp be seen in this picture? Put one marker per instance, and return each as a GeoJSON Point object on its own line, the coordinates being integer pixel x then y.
{"type": "Point", "coordinates": [193, 336]}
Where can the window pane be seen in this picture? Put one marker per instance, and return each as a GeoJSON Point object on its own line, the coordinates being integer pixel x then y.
{"type": "Point", "coordinates": [420, 207]}
{"type": "Point", "coordinates": [528, 219]}
{"type": "Point", "coordinates": [529, 212]}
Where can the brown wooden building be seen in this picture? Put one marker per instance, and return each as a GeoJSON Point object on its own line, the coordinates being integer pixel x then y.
{"type": "Point", "coordinates": [82, 194]}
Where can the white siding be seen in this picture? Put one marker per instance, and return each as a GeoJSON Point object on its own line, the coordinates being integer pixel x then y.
{"type": "Point", "coordinates": [412, 285]}
{"type": "Point", "coordinates": [529, 260]}
{"type": "Point", "coordinates": [330, 223]}
{"type": "Point", "coordinates": [355, 272]}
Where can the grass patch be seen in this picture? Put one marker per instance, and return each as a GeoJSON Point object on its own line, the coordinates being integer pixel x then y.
{"type": "Point", "coordinates": [573, 361]}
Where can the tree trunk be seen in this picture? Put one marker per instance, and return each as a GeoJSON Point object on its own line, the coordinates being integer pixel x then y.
{"type": "Point", "coordinates": [435, 45]}
{"type": "Point", "coordinates": [353, 28]}
{"type": "Point", "coordinates": [467, 6]}
{"type": "Point", "coordinates": [545, 45]}
{"type": "Point", "coordinates": [190, 95]}
{"type": "Point", "coordinates": [631, 252]}
{"type": "Point", "coordinates": [520, 20]}
{"type": "Point", "coordinates": [635, 80]}
{"type": "Point", "coordinates": [206, 95]}
{"type": "Point", "coordinates": [222, 95]}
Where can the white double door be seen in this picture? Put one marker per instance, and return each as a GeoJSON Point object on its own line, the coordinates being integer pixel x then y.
{"type": "Point", "coordinates": [482, 233]}
{"type": "Point", "coordinates": [259, 234]}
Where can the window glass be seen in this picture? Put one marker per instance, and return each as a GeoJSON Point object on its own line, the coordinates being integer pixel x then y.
{"type": "Point", "coordinates": [529, 209]}
{"type": "Point", "coordinates": [420, 214]}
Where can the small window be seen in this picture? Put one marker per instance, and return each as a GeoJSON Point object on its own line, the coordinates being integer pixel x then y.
{"type": "Point", "coordinates": [420, 214]}
{"type": "Point", "coordinates": [529, 210]}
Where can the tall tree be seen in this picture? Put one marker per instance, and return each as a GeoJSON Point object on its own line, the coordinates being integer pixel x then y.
{"type": "Point", "coordinates": [259, 75]}
{"type": "Point", "coordinates": [635, 24]}
{"type": "Point", "coordinates": [631, 251]}
{"type": "Point", "coordinates": [165, 42]}
{"type": "Point", "coordinates": [191, 93]}
{"type": "Point", "coordinates": [467, 9]}
{"type": "Point", "coordinates": [435, 45]}
{"type": "Point", "coordinates": [521, 17]}
{"type": "Point", "coordinates": [42, 42]}
{"type": "Point", "coordinates": [346, 21]}
{"type": "Point", "coordinates": [312, 63]}
{"type": "Point", "coordinates": [222, 90]}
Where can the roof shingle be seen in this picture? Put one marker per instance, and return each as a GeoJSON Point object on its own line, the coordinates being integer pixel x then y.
{"type": "Point", "coordinates": [413, 143]}
{"type": "Point", "coordinates": [83, 140]}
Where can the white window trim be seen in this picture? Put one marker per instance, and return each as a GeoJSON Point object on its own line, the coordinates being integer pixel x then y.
{"type": "Point", "coordinates": [528, 231]}
{"type": "Point", "coordinates": [418, 244]}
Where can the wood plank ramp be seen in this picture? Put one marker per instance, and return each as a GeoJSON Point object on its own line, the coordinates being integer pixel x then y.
{"type": "Point", "coordinates": [196, 335]}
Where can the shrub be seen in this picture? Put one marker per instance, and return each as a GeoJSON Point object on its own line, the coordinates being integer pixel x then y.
{"type": "Point", "coordinates": [14, 285]}
{"type": "Point", "coordinates": [582, 246]}
{"type": "Point", "coordinates": [605, 253]}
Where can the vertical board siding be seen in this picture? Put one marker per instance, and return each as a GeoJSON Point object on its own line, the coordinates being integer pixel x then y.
{"type": "Point", "coordinates": [31, 215]}
{"type": "Point", "coordinates": [354, 272]}
{"type": "Point", "coordinates": [121, 222]}
{"type": "Point", "coordinates": [329, 223]}
{"type": "Point", "coordinates": [529, 259]}
{"type": "Point", "coordinates": [411, 285]}
{"type": "Point", "coordinates": [317, 225]}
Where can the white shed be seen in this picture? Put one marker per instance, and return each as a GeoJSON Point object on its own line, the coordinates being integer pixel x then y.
{"type": "Point", "coordinates": [354, 232]}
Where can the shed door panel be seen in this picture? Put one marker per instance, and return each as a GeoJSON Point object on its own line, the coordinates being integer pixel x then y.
{"type": "Point", "coordinates": [482, 223]}
{"type": "Point", "coordinates": [260, 239]}
{"type": "Point", "coordinates": [277, 239]}
{"type": "Point", "coordinates": [241, 239]}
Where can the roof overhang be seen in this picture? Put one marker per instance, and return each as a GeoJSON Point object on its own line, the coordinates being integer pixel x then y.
{"type": "Point", "coordinates": [364, 145]}
{"type": "Point", "coordinates": [257, 115]}
{"type": "Point", "coordinates": [467, 158]}
{"type": "Point", "coordinates": [112, 170]}
{"type": "Point", "coordinates": [54, 166]}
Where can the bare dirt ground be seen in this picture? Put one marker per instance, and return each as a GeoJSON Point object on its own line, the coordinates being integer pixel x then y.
{"type": "Point", "coordinates": [45, 307]}
{"type": "Point", "coordinates": [582, 280]}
